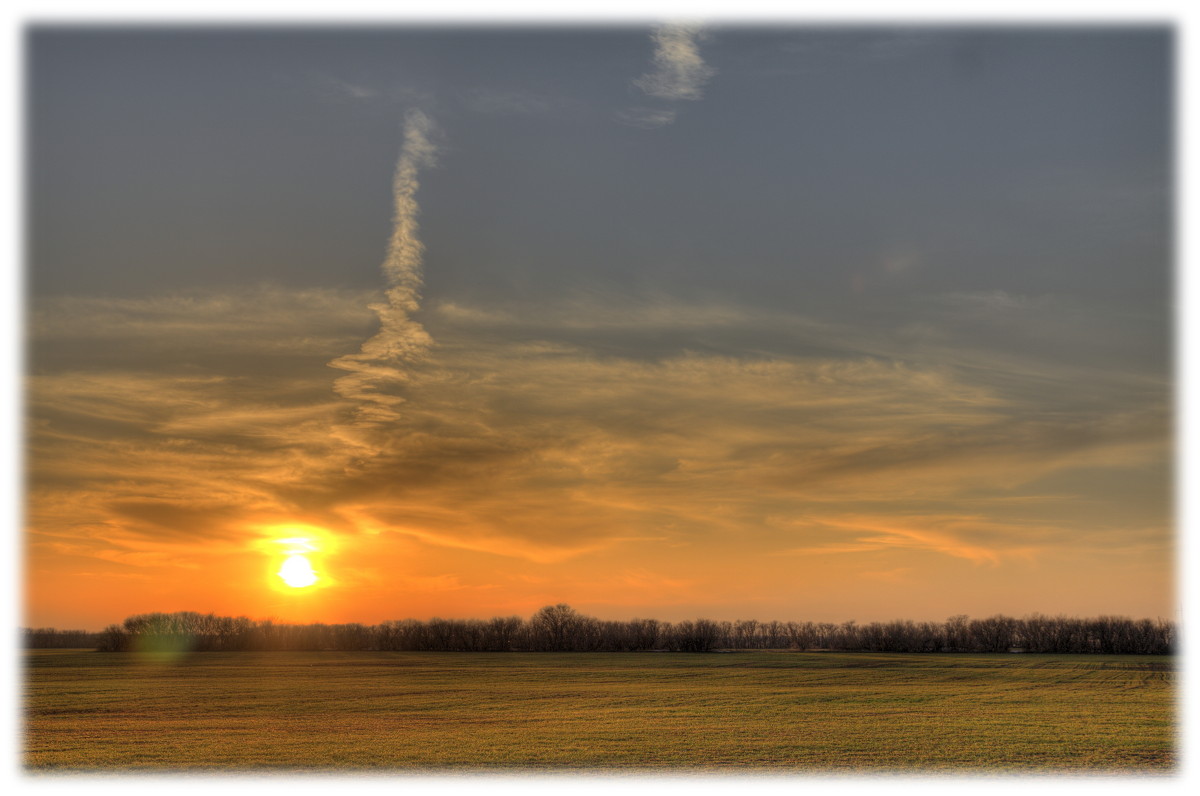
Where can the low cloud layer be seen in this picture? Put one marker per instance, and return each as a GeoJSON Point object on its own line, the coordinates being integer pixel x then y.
{"type": "Point", "coordinates": [559, 437]}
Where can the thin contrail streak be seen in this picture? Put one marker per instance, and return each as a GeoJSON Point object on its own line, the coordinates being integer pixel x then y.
{"type": "Point", "coordinates": [379, 364]}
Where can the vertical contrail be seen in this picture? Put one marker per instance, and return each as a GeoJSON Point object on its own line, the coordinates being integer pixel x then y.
{"type": "Point", "coordinates": [400, 339]}
{"type": "Point", "coordinates": [403, 264]}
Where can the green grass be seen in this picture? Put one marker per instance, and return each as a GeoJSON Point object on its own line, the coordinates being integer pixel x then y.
{"type": "Point", "coordinates": [819, 712]}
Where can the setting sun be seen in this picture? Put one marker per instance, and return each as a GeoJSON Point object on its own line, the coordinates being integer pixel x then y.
{"type": "Point", "coordinates": [297, 572]}
{"type": "Point", "coordinates": [297, 553]}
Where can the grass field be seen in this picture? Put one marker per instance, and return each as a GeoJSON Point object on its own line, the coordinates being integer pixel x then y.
{"type": "Point", "coordinates": [816, 712]}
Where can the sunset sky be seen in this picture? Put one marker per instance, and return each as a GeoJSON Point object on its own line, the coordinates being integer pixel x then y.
{"type": "Point", "coordinates": [735, 322]}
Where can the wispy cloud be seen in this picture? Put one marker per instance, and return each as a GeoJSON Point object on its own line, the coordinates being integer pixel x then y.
{"type": "Point", "coordinates": [567, 401]}
{"type": "Point", "coordinates": [378, 368]}
{"type": "Point", "coordinates": [365, 90]}
{"type": "Point", "coordinates": [647, 118]}
{"type": "Point", "coordinates": [679, 71]}
{"type": "Point", "coordinates": [261, 319]}
{"type": "Point", "coordinates": [551, 438]}
{"type": "Point", "coordinates": [344, 88]}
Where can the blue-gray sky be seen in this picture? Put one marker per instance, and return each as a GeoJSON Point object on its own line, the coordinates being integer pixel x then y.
{"type": "Point", "coordinates": [697, 309]}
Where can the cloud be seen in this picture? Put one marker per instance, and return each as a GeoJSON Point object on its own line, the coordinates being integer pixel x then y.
{"type": "Point", "coordinates": [993, 301]}
{"type": "Point", "coordinates": [581, 440]}
{"type": "Point", "coordinates": [647, 118]}
{"type": "Point", "coordinates": [973, 536]}
{"type": "Point", "coordinates": [544, 435]}
{"type": "Point", "coordinates": [679, 71]}
{"type": "Point", "coordinates": [375, 91]}
{"type": "Point", "coordinates": [291, 333]}
{"type": "Point", "coordinates": [335, 86]}
{"type": "Point", "coordinates": [933, 534]}
{"type": "Point", "coordinates": [378, 368]}
{"type": "Point", "coordinates": [679, 74]}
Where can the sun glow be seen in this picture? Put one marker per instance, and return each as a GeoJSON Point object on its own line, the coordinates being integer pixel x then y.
{"type": "Point", "coordinates": [297, 571]}
{"type": "Point", "coordinates": [297, 556]}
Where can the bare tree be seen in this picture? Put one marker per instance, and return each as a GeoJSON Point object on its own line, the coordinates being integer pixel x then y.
{"type": "Point", "coordinates": [562, 628]}
{"type": "Point", "coordinates": [555, 627]}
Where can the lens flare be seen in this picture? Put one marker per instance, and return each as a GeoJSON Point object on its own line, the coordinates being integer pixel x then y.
{"type": "Point", "coordinates": [297, 572]}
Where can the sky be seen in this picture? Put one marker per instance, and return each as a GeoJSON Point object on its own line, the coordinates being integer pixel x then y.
{"type": "Point", "coordinates": [774, 322]}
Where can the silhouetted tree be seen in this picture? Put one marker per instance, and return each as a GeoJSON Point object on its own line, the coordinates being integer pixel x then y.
{"type": "Point", "coordinates": [562, 628]}
{"type": "Point", "coordinates": [555, 628]}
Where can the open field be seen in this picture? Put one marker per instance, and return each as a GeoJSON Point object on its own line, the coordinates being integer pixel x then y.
{"type": "Point", "coordinates": [777, 710]}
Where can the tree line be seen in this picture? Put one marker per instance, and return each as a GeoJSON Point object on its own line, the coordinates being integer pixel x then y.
{"type": "Point", "coordinates": [560, 628]}
{"type": "Point", "coordinates": [48, 638]}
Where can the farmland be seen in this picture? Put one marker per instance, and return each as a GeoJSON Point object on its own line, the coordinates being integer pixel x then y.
{"type": "Point", "coordinates": [775, 710]}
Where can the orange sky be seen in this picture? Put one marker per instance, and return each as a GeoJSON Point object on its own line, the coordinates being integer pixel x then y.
{"type": "Point", "coordinates": [516, 475]}
{"type": "Point", "coordinates": [630, 453]}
